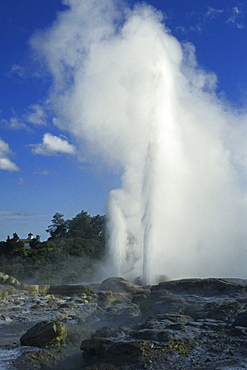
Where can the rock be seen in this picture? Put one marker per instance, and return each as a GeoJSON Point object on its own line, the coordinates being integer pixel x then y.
{"type": "Point", "coordinates": [13, 282]}
{"type": "Point", "coordinates": [35, 289]}
{"type": "Point", "coordinates": [5, 319]}
{"type": "Point", "coordinates": [238, 331]}
{"type": "Point", "coordinates": [98, 350]}
{"type": "Point", "coordinates": [226, 312]}
{"type": "Point", "coordinates": [118, 284]}
{"type": "Point", "coordinates": [107, 298]}
{"type": "Point", "coordinates": [10, 281]}
{"type": "Point", "coordinates": [186, 324]}
{"type": "Point", "coordinates": [128, 352]}
{"type": "Point", "coordinates": [69, 305]}
{"type": "Point", "coordinates": [70, 290]}
{"type": "Point", "coordinates": [3, 277]}
{"type": "Point", "coordinates": [241, 319]}
{"type": "Point", "coordinates": [94, 348]}
{"type": "Point", "coordinates": [6, 290]}
{"type": "Point", "coordinates": [122, 312]}
{"type": "Point", "coordinates": [138, 298]}
{"type": "Point", "coordinates": [109, 332]}
{"type": "Point", "coordinates": [45, 334]}
{"type": "Point", "coordinates": [161, 301]}
{"type": "Point", "coordinates": [204, 287]}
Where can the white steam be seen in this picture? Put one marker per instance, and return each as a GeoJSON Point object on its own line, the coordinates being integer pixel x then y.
{"type": "Point", "coordinates": [137, 98]}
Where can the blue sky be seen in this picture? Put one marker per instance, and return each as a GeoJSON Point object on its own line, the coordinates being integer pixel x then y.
{"type": "Point", "coordinates": [43, 168]}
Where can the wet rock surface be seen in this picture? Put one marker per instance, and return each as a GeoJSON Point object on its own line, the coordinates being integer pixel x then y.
{"type": "Point", "coordinates": [184, 324]}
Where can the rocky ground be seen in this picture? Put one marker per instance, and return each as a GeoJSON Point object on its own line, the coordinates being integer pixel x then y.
{"type": "Point", "coordinates": [183, 324]}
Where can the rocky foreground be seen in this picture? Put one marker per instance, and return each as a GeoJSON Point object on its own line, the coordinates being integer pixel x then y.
{"type": "Point", "coordinates": [182, 324]}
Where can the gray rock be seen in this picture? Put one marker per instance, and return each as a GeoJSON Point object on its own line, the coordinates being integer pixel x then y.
{"type": "Point", "coordinates": [204, 287]}
{"type": "Point", "coordinates": [226, 312]}
{"type": "Point", "coordinates": [241, 319]}
{"type": "Point", "coordinates": [118, 284]}
{"type": "Point", "coordinates": [161, 301]}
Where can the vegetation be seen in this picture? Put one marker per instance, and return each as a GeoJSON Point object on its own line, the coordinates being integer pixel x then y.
{"type": "Point", "coordinates": [71, 254]}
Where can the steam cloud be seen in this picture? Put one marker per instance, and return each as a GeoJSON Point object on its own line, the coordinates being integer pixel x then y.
{"type": "Point", "coordinates": [138, 100]}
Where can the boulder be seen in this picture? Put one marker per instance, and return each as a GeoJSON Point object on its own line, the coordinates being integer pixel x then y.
{"type": "Point", "coordinates": [45, 334]}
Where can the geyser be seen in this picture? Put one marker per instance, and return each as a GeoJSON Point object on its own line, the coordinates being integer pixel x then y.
{"type": "Point", "coordinates": [138, 100]}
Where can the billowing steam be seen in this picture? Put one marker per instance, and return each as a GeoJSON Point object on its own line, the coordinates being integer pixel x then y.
{"type": "Point", "coordinates": [137, 99]}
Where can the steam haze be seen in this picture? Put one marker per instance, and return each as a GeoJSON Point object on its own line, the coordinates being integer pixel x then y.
{"type": "Point", "coordinates": [136, 100]}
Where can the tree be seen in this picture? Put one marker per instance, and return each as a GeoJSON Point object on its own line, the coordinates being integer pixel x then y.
{"type": "Point", "coordinates": [98, 223]}
{"type": "Point", "coordinates": [15, 237]}
{"type": "Point", "coordinates": [80, 226]}
{"type": "Point", "coordinates": [58, 228]}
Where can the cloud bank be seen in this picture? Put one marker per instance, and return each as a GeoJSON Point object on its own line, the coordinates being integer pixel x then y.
{"type": "Point", "coordinates": [5, 162]}
{"type": "Point", "coordinates": [136, 98]}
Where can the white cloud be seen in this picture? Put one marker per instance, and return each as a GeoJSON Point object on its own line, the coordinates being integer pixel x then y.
{"type": "Point", "coordinates": [213, 13]}
{"type": "Point", "coordinates": [199, 21]}
{"type": "Point", "coordinates": [21, 182]}
{"type": "Point", "coordinates": [14, 123]}
{"type": "Point", "coordinates": [236, 16]}
{"type": "Point", "coordinates": [36, 115]}
{"type": "Point", "coordinates": [18, 70]}
{"type": "Point", "coordinates": [11, 215]}
{"type": "Point", "coordinates": [5, 162]}
{"type": "Point", "coordinates": [52, 145]}
{"type": "Point", "coordinates": [44, 172]}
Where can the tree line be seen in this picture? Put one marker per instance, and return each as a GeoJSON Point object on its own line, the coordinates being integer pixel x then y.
{"type": "Point", "coordinates": [82, 236]}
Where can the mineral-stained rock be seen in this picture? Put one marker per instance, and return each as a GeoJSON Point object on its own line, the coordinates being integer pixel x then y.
{"type": "Point", "coordinates": [34, 289]}
{"type": "Point", "coordinates": [13, 282]}
{"type": "Point", "coordinates": [6, 290]}
{"type": "Point", "coordinates": [70, 290]}
{"type": "Point", "coordinates": [107, 298]}
{"type": "Point", "coordinates": [44, 334]}
{"type": "Point", "coordinates": [3, 277]}
{"type": "Point", "coordinates": [29, 289]}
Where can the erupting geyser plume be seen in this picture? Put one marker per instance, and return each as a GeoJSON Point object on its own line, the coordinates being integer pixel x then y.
{"type": "Point", "coordinates": [138, 99]}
